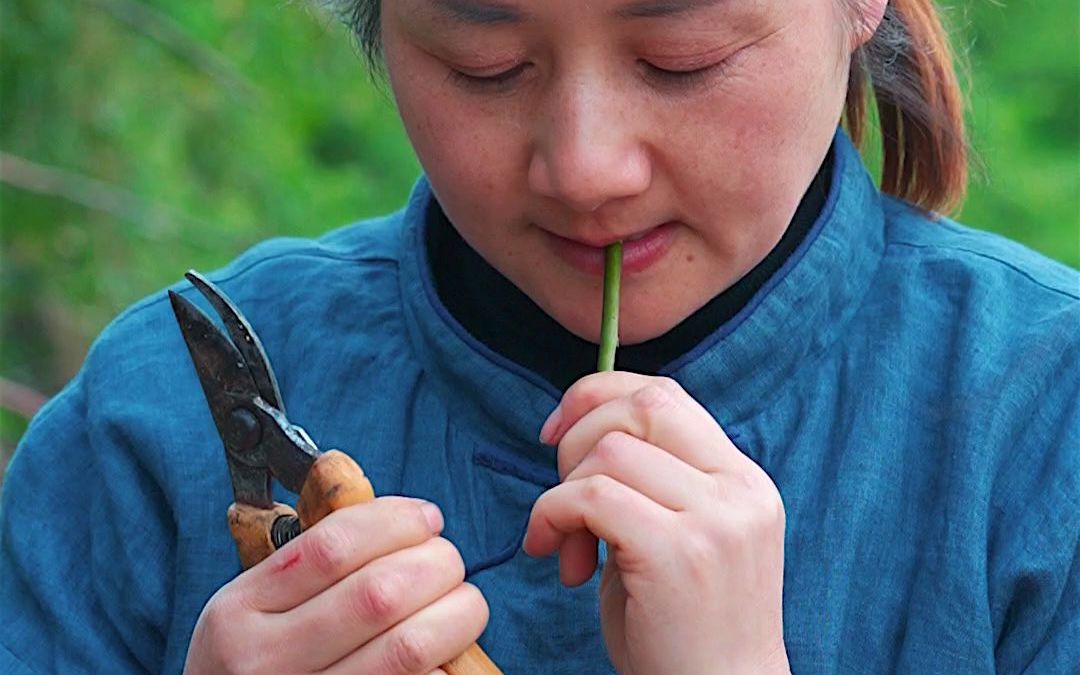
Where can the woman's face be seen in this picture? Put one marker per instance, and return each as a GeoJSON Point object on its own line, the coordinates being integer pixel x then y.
{"type": "Point", "coordinates": [688, 128]}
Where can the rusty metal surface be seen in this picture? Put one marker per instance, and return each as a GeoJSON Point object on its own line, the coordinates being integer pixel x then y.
{"type": "Point", "coordinates": [245, 402]}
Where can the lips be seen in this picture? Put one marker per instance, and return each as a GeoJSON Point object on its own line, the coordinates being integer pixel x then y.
{"type": "Point", "coordinates": [640, 251]}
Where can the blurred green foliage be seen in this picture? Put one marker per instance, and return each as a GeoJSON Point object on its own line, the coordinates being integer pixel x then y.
{"type": "Point", "coordinates": [144, 137]}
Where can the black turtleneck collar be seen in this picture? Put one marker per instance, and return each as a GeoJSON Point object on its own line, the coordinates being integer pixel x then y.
{"type": "Point", "coordinates": [504, 319]}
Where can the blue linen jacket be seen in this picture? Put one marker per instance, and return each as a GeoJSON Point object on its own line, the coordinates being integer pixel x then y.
{"type": "Point", "coordinates": [912, 387]}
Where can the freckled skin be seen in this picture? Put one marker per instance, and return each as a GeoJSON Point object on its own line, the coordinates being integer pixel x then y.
{"type": "Point", "coordinates": [586, 142]}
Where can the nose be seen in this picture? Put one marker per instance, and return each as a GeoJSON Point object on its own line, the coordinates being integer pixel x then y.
{"type": "Point", "coordinates": [587, 151]}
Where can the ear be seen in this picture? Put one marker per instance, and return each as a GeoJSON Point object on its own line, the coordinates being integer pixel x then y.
{"type": "Point", "coordinates": [867, 17]}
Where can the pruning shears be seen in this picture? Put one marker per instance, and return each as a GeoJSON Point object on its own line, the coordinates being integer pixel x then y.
{"type": "Point", "coordinates": [262, 445]}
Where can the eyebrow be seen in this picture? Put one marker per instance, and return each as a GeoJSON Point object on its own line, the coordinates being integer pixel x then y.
{"type": "Point", "coordinates": [494, 13]}
{"type": "Point", "coordinates": [479, 12]}
{"type": "Point", "coordinates": [651, 9]}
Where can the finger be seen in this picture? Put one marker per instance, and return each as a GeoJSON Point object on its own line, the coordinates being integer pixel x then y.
{"type": "Point", "coordinates": [613, 595]}
{"type": "Point", "coordinates": [655, 473]}
{"type": "Point", "coordinates": [584, 395]}
{"type": "Point", "coordinates": [578, 556]}
{"type": "Point", "coordinates": [660, 413]}
{"type": "Point", "coordinates": [626, 519]}
{"type": "Point", "coordinates": [372, 599]}
{"type": "Point", "coordinates": [339, 544]}
{"type": "Point", "coordinates": [429, 638]}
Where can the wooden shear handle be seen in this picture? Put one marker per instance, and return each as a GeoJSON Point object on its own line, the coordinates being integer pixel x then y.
{"type": "Point", "coordinates": [334, 482]}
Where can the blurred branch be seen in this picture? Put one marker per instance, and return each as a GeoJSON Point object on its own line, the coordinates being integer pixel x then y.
{"type": "Point", "coordinates": [155, 221]}
{"type": "Point", "coordinates": [166, 32]}
{"type": "Point", "coordinates": [20, 399]}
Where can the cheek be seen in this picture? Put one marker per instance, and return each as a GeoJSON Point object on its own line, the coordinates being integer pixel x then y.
{"type": "Point", "coordinates": [473, 166]}
{"type": "Point", "coordinates": [449, 149]}
{"type": "Point", "coordinates": [471, 173]}
{"type": "Point", "coordinates": [770, 122]}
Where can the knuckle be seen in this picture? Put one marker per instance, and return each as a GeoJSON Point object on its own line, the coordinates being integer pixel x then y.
{"type": "Point", "coordinates": [598, 489]}
{"type": "Point", "coordinates": [586, 393]}
{"type": "Point", "coordinates": [407, 653]}
{"type": "Point", "coordinates": [609, 448]}
{"type": "Point", "coordinates": [756, 519]}
{"type": "Point", "coordinates": [327, 548]}
{"type": "Point", "coordinates": [236, 662]}
{"type": "Point", "coordinates": [448, 558]}
{"type": "Point", "coordinates": [216, 612]}
{"type": "Point", "coordinates": [377, 600]}
{"type": "Point", "coordinates": [224, 610]}
{"type": "Point", "coordinates": [221, 635]}
{"type": "Point", "coordinates": [738, 532]}
{"type": "Point", "coordinates": [673, 388]}
{"type": "Point", "coordinates": [780, 513]}
{"type": "Point", "coordinates": [477, 605]}
{"type": "Point", "coordinates": [762, 505]}
{"type": "Point", "coordinates": [653, 397]}
{"type": "Point", "coordinates": [770, 511]}
{"type": "Point", "coordinates": [404, 516]}
{"type": "Point", "coordinates": [411, 520]}
{"type": "Point", "coordinates": [751, 479]}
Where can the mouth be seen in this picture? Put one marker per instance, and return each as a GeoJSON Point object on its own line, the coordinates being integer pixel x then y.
{"type": "Point", "coordinates": [641, 250]}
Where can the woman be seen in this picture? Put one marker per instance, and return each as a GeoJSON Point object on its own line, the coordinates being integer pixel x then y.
{"type": "Point", "coordinates": [852, 447]}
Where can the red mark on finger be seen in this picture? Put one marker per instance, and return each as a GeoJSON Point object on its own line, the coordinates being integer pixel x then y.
{"type": "Point", "coordinates": [292, 561]}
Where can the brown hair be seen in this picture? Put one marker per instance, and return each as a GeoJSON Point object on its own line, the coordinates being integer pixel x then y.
{"type": "Point", "coordinates": [909, 67]}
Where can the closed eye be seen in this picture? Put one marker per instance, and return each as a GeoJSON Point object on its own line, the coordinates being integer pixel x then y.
{"type": "Point", "coordinates": [496, 81]}
{"type": "Point", "coordinates": [682, 78]}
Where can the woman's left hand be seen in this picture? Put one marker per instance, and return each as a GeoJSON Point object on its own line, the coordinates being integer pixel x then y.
{"type": "Point", "coordinates": [694, 529]}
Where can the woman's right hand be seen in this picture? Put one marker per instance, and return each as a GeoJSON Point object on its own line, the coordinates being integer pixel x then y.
{"type": "Point", "coordinates": [369, 589]}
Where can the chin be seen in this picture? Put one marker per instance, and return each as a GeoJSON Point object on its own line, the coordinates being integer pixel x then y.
{"type": "Point", "coordinates": [640, 321]}
{"type": "Point", "coordinates": [635, 330]}
{"type": "Point", "coordinates": [634, 327]}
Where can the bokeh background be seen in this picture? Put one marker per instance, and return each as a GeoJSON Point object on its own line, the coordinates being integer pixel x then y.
{"type": "Point", "coordinates": [140, 138]}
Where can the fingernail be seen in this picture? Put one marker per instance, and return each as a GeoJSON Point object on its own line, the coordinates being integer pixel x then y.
{"type": "Point", "coordinates": [551, 425]}
{"type": "Point", "coordinates": [433, 516]}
